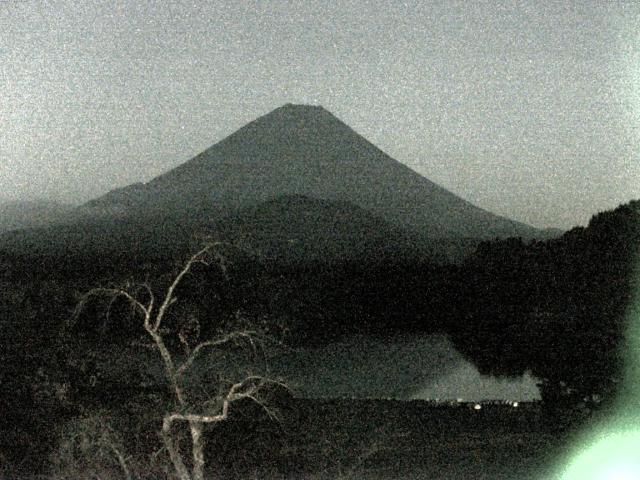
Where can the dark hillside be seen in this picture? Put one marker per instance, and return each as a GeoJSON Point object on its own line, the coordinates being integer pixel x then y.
{"type": "Point", "coordinates": [286, 231]}
{"type": "Point", "coordinates": [297, 229]}
{"type": "Point", "coordinates": [29, 214]}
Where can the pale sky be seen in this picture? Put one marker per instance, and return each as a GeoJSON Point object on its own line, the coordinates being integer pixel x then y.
{"type": "Point", "coordinates": [528, 109]}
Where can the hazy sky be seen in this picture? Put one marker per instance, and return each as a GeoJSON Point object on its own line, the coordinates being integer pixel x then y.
{"type": "Point", "coordinates": [528, 109]}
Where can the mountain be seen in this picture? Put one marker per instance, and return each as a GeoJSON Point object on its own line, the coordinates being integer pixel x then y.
{"type": "Point", "coordinates": [293, 228]}
{"type": "Point", "coordinates": [16, 215]}
{"type": "Point", "coordinates": [305, 150]}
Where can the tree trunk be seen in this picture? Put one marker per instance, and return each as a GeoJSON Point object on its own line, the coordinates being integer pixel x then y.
{"type": "Point", "coordinates": [174, 454]}
{"type": "Point", "coordinates": [197, 440]}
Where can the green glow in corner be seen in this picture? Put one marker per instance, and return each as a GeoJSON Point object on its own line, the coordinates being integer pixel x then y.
{"type": "Point", "coordinates": [612, 457]}
{"type": "Point", "coordinates": [611, 450]}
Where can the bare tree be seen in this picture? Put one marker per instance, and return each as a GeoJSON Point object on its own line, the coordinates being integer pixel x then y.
{"type": "Point", "coordinates": [188, 411]}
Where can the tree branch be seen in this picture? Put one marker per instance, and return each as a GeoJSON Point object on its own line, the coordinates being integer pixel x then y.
{"type": "Point", "coordinates": [113, 293]}
{"type": "Point", "coordinates": [212, 344]}
{"type": "Point", "coordinates": [169, 298]}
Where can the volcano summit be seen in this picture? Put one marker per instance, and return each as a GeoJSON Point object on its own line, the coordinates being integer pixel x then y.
{"type": "Point", "coordinates": [301, 150]}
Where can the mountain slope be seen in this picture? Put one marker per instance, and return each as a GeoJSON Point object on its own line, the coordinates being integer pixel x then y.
{"type": "Point", "coordinates": [295, 228]}
{"type": "Point", "coordinates": [16, 215]}
{"type": "Point", "coordinates": [288, 230]}
{"type": "Point", "coordinates": [305, 150]}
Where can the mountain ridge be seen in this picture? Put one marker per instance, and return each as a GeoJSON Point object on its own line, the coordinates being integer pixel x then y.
{"type": "Point", "coordinates": [306, 150]}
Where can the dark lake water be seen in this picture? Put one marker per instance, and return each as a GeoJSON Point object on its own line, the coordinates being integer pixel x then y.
{"type": "Point", "coordinates": [402, 367]}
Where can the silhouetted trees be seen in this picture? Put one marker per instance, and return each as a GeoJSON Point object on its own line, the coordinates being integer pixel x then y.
{"type": "Point", "coordinates": [556, 308]}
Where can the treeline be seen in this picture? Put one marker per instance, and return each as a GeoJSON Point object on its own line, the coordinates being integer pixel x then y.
{"type": "Point", "coordinates": [556, 308]}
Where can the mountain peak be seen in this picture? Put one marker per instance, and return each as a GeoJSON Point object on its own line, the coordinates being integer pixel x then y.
{"type": "Point", "coordinates": [301, 107]}
{"type": "Point", "coordinates": [299, 111]}
{"type": "Point", "coordinates": [300, 149]}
